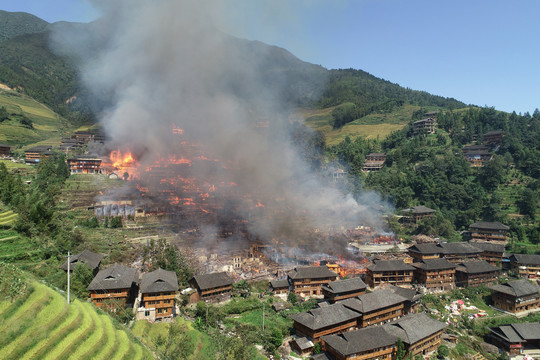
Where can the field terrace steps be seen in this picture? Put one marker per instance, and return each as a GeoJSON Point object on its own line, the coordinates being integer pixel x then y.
{"type": "Point", "coordinates": [44, 326]}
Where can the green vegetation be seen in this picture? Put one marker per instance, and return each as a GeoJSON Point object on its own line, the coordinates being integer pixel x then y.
{"type": "Point", "coordinates": [15, 24]}
{"type": "Point", "coordinates": [43, 325]}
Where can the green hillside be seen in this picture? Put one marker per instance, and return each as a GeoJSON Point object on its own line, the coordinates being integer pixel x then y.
{"type": "Point", "coordinates": [29, 121]}
{"type": "Point", "coordinates": [43, 326]}
{"type": "Point", "coordinates": [13, 24]}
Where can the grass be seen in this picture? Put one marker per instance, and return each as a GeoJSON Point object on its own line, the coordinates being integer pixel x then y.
{"type": "Point", "coordinates": [8, 218]}
{"type": "Point", "coordinates": [47, 124]}
{"type": "Point", "coordinates": [44, 326]}
{"type": "Point", "coordinates": [371, 127]}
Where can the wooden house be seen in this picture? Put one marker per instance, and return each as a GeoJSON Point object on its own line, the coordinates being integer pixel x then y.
{"type": "Point", "coordinates": [424, 126]}
{"type": "Point", "coordinates": [279, 287]}
{"type": "Point", "coordinates": [157, 295]}
{"type": "Point", "coordinates": [343, 289]}
{"type": "Point", "coordinates": [374, 162]}
{"type": "Point", "coordinates": [211, 286]}
{"type": "Point", "coordinates": [516, 296]}
{"type": "Point", "coordinates": [308, 280]}
{"type": "Point", "coordinates": [421, 252]}
{"type": "Point", "coordinates": [5, 150]}
{"type": "Point", "coordinates": [514, 338]}
{"type": "Point", "coordinates": [331, 319]}
{"type": "Point", "coordinates": [473, 273]}
{"type": "Point", "coordinates": [493, 137]}
{"type": "Point", "coordinates": [416, 213]}
{"type": "Point", "coordinates": [494, 232]}
{"type": "Point", "coordinates": [394, 272]}
{"type": "Point", "coordinates": [457, 252]}
{"type": "Point", "coordinates": [35, 154]}
{"type": "Point", "coordinates": [412, 297]}
{"type": "Point", "coordinates": [369, 343]}
{"type": "Point", "coordinates": [86, 257]}
{"type": "Point", "coordinates": [84, 164]}
{"type": "Point", "coordinates": [376, 308]}
{"type": "Point", "coordinates": [435, 274]}
{"type": "Point", "coordinates": [490, 252]}
{"type": "Point", "coordinates": [302, 346]}
{"type": "Point", "coordinates": [114, 288]}
{"type": "Point", "coordinates": [526, 266]}
{"type": "Point", "coordinates": [420, 333]}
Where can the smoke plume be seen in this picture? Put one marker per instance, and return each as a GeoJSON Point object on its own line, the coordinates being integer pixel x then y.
{"type": "Point", "coordinates": [164, 65]}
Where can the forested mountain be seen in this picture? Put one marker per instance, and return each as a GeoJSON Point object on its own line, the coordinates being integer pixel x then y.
{"type": "Point", "coordinates": [13, 24]}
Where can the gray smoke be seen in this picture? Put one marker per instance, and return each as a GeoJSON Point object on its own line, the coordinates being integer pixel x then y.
{"type": "Point", "coordinates": [159, 65]}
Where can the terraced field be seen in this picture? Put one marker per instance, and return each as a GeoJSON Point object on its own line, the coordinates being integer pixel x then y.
{"type": "Point", "coordinates": [44, 326]}
{"type": "Point", "coordinates": [7, 218]}
{"type": "Point", "coordinates": [16, 248]}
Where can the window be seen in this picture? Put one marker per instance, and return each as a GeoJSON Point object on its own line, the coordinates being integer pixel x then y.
{"type": "Point", "coordinates": [147, 313]}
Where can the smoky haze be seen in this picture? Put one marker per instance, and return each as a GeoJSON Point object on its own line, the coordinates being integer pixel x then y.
{"type": "Point", "coordinates": [163, 65]}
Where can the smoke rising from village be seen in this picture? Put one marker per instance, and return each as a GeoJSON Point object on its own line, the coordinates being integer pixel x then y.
{"type": "Point", "coordinates": [176, 87]}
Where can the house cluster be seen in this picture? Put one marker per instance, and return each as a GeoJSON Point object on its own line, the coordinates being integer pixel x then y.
{"type": "Point", "coordinates": [354, 324]}
{"type": "Point", "coordinates": [477, 155]}
{"type": "Point", "coordinates": [152, 295]}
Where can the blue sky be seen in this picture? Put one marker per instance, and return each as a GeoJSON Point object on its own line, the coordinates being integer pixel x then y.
{"type": "Point", "coordinates": [483, 52]}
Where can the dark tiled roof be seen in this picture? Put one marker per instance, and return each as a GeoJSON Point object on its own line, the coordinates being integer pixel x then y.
{"type": "Point", "coordinates": [485, 225]}
{"type": "Point", "coordinates": [409, 294]}
{"type": "Point", "coordinates": [517, 288]}
{"type": "Point", "coordinates": [434, 264]}
{"type": "Point", "coordinates": [116, 277]}
{"type": "Point", "coordinates": [311, 272]}
{"type": "Point", "coordinates": [414, 327]}
{"type": "Point", "coordinates": [4, 145]}
{"type": "Point", "coordinates": [459, 248]}
{"type": "Point", "coordinates": [321, 356]}
{"type": "Point", "coordinates": [373, 301]}
{"type": "Point", "coordinates": [487, 246]}
{"type": "Point", "coordinates": [418, 210]}
{"type": "Point", "coordinates": [39, 149]}
{"type": "Point", "coordinates": [303, 343]}
{"type": "Point", "coordinates": [279, 284]}
{"type": "Point", "coordinates": [376, 154]}
{"type": "Point", "coordinates": [343, 286]}
{"type": "Point", "coordinates": [357, 341]}
{"type": "Point", "coordinates": [390, 265]}
{"type": "Point", "coordinates": [331, 315]}
{"type": "Point", "coordinates": [213, 280]}
{"type": "Point", "coordinates": [518, 333]}
{"type": "Point", "coordinates": [159, 280]}
{"type": "Point", "coordinates": [92, 260]}
{"type": "Point", "coordinates": [525, 259]}
{"type": "Point", "coordinates": [428, 248]}
{"type": "Point", "coordinates": [476, 267]}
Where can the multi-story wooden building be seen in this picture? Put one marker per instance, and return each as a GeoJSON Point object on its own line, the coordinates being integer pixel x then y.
{"type": "Point", "coordinates": [376, 308]}
{"type": "Point", "coordinates": [420, 333]}
{"type": "Point", "coordinates": [308, 280]}
{"type": "Point", "coordinates": [157, 295]}
{"type": "Point", "coordinates": [416, 213]}
{"type": "Point", "coordinates": [5, 150]}
{"type": "Point", "coordinates": [331, 319]}
{"type": "Point", "coordinates": [363, 344]}
{"type": "Point", "coordinates": [435, 274]}
{"type": "Point", "coordinates": [86, 257]}
{"type": "Point", "coordinates": [394, 272]}
{"type": "Point", "coordinates": [526, 266]}
{"type": "Point", "coordinates": [493, 137]}
{"type": "Point", "coordinates": [36, 153]}
{"type": "Point", "coordinates": [477, 155]}
{"type": "Point", "coordinates": [516, 296]}
{"type": "Point", "coordinates": [490, 232]}
{"type": "Point", "coordinates": [84, 164]}
{"type": "Point", "coordinates": [514, 338]}
{"type": "Point", "coordinates": [343, 289]}
{"type": "Point", "coordinates": [457, 252]}
{"type": "Point", "coordinates": [114, 288]}
{"type": "Point", "coordinates": [424, 126]}
{"type": "Point", "coordinates": [426, 251]}
{"type": "Point", "coordinates": [211, 286]}
{"type": "Point", "coordinates": [490, 252]}
{"type": "Point", "coordinates": [374, 162]}
{"type": "Point", "coordinates": [279, 287]}
{"type": "Point", "coordinates": [473, 273]}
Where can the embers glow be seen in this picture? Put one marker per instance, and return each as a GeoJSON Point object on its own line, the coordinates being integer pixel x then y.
{"type": "Point", "coordinates": [124, 162]}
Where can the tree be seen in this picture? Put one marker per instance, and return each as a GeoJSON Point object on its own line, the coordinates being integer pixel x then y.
{"type": "Point", "coordinates": [12, 282]}
{"type": "Point", "coordinates": [400, 351]}
{"type": "Point", "coordinates": [443, 352]}
{"type": "Point", "coordinates": [4, 115]}
{"type": "Point", "coordinates": [292, 298]}
{"type": "Point", "coordinates": [82, 277]}
{"type": "Point", "coordinates": [317, 347]}
{"type": "Point", "coordinates": [161, 254]}
{"type": "Point", "coordinates": [528, 203]}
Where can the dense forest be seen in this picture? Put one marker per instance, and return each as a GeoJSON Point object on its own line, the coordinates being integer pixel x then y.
{"type": "Point", "coordinates": [431, 171]}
